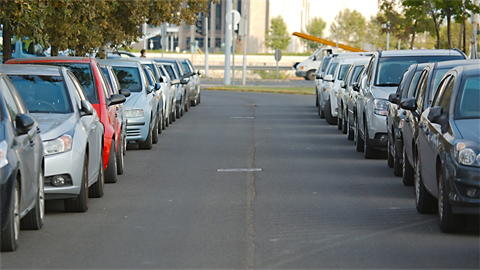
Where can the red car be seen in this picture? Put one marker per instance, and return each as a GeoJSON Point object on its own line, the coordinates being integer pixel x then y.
{"type": "Point", "coordinates": [95, 86]}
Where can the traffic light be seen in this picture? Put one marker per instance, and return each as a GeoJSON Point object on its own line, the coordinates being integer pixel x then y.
{"type": "Point", "coordinates": [199, 25]}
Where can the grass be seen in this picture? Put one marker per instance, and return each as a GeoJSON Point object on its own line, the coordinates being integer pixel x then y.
{"type": "Point", "coordinates": [260, 89]}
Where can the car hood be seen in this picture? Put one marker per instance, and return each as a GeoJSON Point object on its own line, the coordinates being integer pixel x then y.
{"type": "Point", "coordinates": [383, 92]}
{"type": "Point", "coordinates": [53, 125]}
{"type": "Point", "coordinates": [133, 99]}
{"type": "Point", "coordinates": [469, 129]}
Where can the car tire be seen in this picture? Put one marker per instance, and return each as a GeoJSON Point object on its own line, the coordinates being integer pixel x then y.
{"type": "Point", "coordinates": [120, 161]}
{"type": "Point", "coordinates": [155, 133]}
{"type": "Point", "coordinates": [80, 204]}
{"type": "Point", "coordinates": [9, 236]}
{"type": "Point", "coordinates": [344, 122]}
{"type": "Point", "coordinates": [328, 113]}
{"type": "Point", "coordinates": [310, 75]}
{"type": "Point", "coordinates": [161, 127]}
{"type": "Point", "coordinates": [397, 165]}
{"type": "Point", "coordinates": [147, 144]}
{"type": "Point", "coordinates": [349, 130]}
{"type": "Point", "coordinates": [389, 154]}
{"type": "Point", "coordinates": [320, 112]}
{"type": "Point", "coordinates": [357, 139]}
{"type": "Point", "coordinates": [448, 221]}
{"type": "Point", "coordinates": [368, 151]}
{"type": "Point", "coordinates": [34, 219]}
{"type": "Point", "coordinates": [424, 201]}
{"type": "Point", "coordinates": [339, 123]}
{"type": "Point", "coordinates": [198, 98]}
{"type": "Point", "coordinates": [168, 120]}
{"type": "Point", "coordinates": [96, 190]}
{"type": "Point", "coordinates": [407, 170]}
{"type": "Point", "coordinates": [174, 115]}
{"type": "Point", "coordinates": [124, 145]}
{"type": "Point", "coordinates": [111, 170]}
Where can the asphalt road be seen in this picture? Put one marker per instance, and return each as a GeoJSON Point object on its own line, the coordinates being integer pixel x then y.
{"type": "Point", "coordinates": [302, 198]}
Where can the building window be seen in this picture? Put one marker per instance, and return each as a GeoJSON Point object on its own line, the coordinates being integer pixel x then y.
{"type": "Point", "coordinates": [218, 16]}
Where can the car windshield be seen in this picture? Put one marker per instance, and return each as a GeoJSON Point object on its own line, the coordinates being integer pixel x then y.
{"type": "Point", "coordinates": [342, 71]}
{"type": "Point", "coordinates": [43, 94]}
{"type": "Point", "coordinates": [331, 68]}
{"type": "Point", "coordinates": [468, 99]}
{"type": "Point", "coordinates": [83, 72]}
{"type": "Point", "coordinates": [129, 78]}
{"type": "Point", "coordinates": [390, 69]}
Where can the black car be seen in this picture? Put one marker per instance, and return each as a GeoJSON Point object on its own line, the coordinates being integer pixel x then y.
{"type": "Point", "coordinates": [447, 169]}
{"type": "Point", "coordinates": [21, 167]}
{"type": "Point", "coordinates": [423, 96]}
{"type": "Point", "coordinates": [395, 116]}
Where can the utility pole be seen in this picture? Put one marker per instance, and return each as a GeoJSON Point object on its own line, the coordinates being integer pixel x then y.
{"type": "Point", "coordinates": [245, 29]}
{"type": "Point", "coordinates": [474, 42]}
{"type": "Point", "coordinates": [228, 36]}
{"type": "Point", "coordinates": [205, 41]}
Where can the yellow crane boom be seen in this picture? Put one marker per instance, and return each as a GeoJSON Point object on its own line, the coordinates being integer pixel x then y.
{"type": "Point", "coordinates": [327, 42]}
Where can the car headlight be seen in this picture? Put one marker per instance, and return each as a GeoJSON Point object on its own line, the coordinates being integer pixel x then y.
{"type": "Point", "coordinates": [3, 154]}
{"type": "Point", "coordinates": [381, 106]}
{"type": "Point", "coordinates": [467, 153]}
{"type": "Point", "coordinates": [58, 145]}
{"type": "Point", "coordinates": [134, 113]}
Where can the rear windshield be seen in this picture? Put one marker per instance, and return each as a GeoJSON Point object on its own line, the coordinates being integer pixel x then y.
{"type": "Point", "coordinates": [390, 69]}
{"type": "Point", "coordinates": [129, 78]}
{"type": "Point", "coordinates": [468, 99]}
{"type": "Point", "coordinates": [43, 94]}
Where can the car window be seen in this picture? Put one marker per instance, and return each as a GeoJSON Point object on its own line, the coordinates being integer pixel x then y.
{"type": "Point", "coordinates": [78, 88]}
{"type": "Point", "coordinates": [468, 100]}
{"type": "Point", "coordinates": [445, 92]}
{"type": "Point", "coordinates": [331, 68]}
{"type": "Point", "coordinates": [107, 91]}
{"type": "Point", "coordinates": [369, 70]}
{"type": "Point", "coordinates": [402, 83]}
{"type": "Point", "coordinates": [186, 67]}
{"type": "Point", "coordinates": [75, 94]}
{"type": "Point", "coordinates": [437, 77]}
{"type": "Point", "coordinates": [356, 72]}
{"type": "Point", "coordinates": [43, 94]}
{"type": "Point", "coordinates": [150, 77]}
{"type": "Point", "coordinates": [342, 71]}
{"type": "Point", "coordinates": [12, 107]}
{"type": "Point", "coordinates": [421, 90]}
{"type": "Point", "coordinates": [129, 78]}
{"type": "Point", "coordinates": [325, 63]}
{"type": "Point", "coordinates": [171, 72]}
{"type": "Point", "coordinates": [413, 83]}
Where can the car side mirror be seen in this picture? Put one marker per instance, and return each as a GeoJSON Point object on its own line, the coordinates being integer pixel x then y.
{"type": "Point", "coordinates": [328, 78]}
{"type": "Point", "coordinates": [394, 98]}
{"type": "Point", "coordinates": [176, 81]}
{"type": "Point", "coordinates": [363, 82]}
{"type": "Point", "coordinates": [116, 99]}
{"type": "Point", "coordinates": [86, 108]}
{"type": "Point", "coordinates": [24, 123]}
{"type": "Point", "coordinates": [125, 92]}
{"type": "Point", "coordinates": [436, 115]}
{"type": "Point", "coordinates": [355, 87]}
{"type": "Point", "coordinates": [158, 86]}
{"type": "Point", "coordinates": [198, 72]}
{"type": "Point", "coordinates": [184, 81]}
{"type": "Point", "coordinates": [318, 77]}
{"type": "Point", "coordinates": [408, 104]}
{"type": "Point", "coordinates": [150, 89]}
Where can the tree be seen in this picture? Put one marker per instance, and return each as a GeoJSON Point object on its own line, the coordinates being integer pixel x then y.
{"type": "Point", "coordinates": [277, 36]}
{"type": "Point", "coordinates": [314, 28]}
{"type": "Point", "coordinates": [349, 27]}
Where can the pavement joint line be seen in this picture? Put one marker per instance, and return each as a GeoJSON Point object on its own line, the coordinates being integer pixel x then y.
{"type": "Point", "coordinates": [240, 170]}
{"type": "Point", "coordinates": [241, 117]}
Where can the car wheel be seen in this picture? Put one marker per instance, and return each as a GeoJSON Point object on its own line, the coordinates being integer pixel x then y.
{"type": "Point", "coordinates": [424, 201]}
{"type": "Point", "coordinates": [96, 190]}
{"type": "Point", "coordinates": [320, 112]}
{"type": "Point", "coordinates": [155, 133]}
{"type": "Point", "coordinates": [198, 98]}
{"type": "Point", "coordinates": [80, 204]}
{"type": "Point", "coordinates": [339, 123]}
{"type": "Point", "coordinates": [316, 97]}
{"type": "Point", "coordinates": [407, 170]}
{"type": "Point", "coordinates": [448, 221]}
{"type": "Point", "coordinates": [34, 219]}
{"type": "Point", "coordinates": [328, 113]}
{"type": "Point", "coordinates": [120, 161]}
{"type": "Point", "coordinates": [358, 140]}
{"type": "Point", "coordinates": [349, 130]}
{"type": "Point", "coordinates": [389, 154]}
{"type": "Point", "coordinates": [111, 170]}
{"type": "Point", "coordinates": [397, 165]}
{"type": "Point", "coordinates": [310, 75]}
{"type": "Point", "coordinates": [168, 120]}
{"type": "Point", "coordinates": [147, 144]}
{"type": "Point", "coordinates": [368, 151]}
{"type": "Point", "coordinates": [187, 105]}
{"type": "Point", "coordinates": [164, 123]}
{"type": "Point", "coordinates": [9, 236]}
{"type": "Point", "coordinates": [344, 122]}
{"type": "Point", "coordinates": [177, 112]}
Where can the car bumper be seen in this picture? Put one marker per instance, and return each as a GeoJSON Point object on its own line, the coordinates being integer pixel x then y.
{"type": "Point", "coordinates": [464, 179]}
{"type": "Point", "coordinates": [378, 129]}
{"type": "Point", "coordinates": [70, 166]}
{"type": "Point", "coordinates": [300, 73]}
{"type": "Point", "coordinates": [137, 129]}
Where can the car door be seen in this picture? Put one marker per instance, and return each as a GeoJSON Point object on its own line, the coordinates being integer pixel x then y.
{"type": "Point", "coordinates": [112, 110]}
{"type": "Point", "coordinates": [24, 144]}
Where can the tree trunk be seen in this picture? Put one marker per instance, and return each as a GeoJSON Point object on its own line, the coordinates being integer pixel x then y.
{"type": "Point", "coordinates": [437, 30]}
{"type": "Point", "coordinates": [464, 30]}
{"type": "Point", "coordinates": [449, 29]}
{"type": "Point", "coordinates": [460, 36]}
{"type": "Point", "coordinates": [413, 34]}
{"type": "Point", "coordinates": [7, 42]}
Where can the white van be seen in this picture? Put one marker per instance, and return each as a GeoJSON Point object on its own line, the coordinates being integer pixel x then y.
{"type": "Point", "coordinates": [307, 67]}
{"type": "Point", "coordinates": [23, 48]}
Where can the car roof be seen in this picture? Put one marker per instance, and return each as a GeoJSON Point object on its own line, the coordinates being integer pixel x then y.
{"type": "Point", "coordinates": [470, 70]}
{"type": "Point", "coordinates": [453, 63]}
{"type": "Point", "coordinates": [419, 52]}
{"type": "Point", "coordinates": [43, 70]}
{"type": "Point", "coordinates": [142, 60]}
{"type": "Point", "coordinates": [65, 59]}
{"type": "Point", "coordinates": [349, 60]}
{"type": "Point", "coordinates": [120, 62]}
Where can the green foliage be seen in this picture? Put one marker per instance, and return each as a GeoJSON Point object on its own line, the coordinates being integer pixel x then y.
{"type": "Point", "coordinates": [277, 36]}
{"type": "Point", "coordinates": [349, 27]}
{"type": "Point", "coordinates": [315, 28]}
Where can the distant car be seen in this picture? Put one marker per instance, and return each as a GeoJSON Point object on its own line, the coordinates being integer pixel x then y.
{"type": "Point", "coordinates": [21, 168]}
{"type": "Point", "coordinates": [324, 89]}
{"type": "Point", "coordinates": [396, 115]}
{"type": "Point", "coordinates": [95, 87]}
{"type": "Point", "coordinates": [159, 87]}
{"type": "Point", "coordinates": [319, 74]}
{"type": "Point", "coordinates": [448, 165]}
{"type": "Point", "coordinates": [353, 94]}
{"type": "Point", "coordinates": [172, 89]}
{"type": "Point", "coordinates": [180, 89]}
{"type": "Point", "coordinates": [183, 76]}
{"type": "Point", "coordinates": [194, 79]}
{"type": "Point", "coordinates": [120, 55]}
{"type": "Point", "coordinates": [141, 106]}
{"type": "Point", "coordinates": [70, 130]}
{"type": "Point", "coordinates": [384, 72]}
{"type": "Point", "coordinates": [423, 95]}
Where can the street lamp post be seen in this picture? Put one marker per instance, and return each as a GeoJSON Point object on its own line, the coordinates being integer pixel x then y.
{"type": "Point", "coordinates": [387, 26]}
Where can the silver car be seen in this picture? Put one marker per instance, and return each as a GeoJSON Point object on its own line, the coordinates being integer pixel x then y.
{"type": "Point", "coordinates": [70, 130]}
{"type": "Point", "coordinates": [194, 79]}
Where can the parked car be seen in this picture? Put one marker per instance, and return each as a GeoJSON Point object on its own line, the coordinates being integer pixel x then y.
{"type": "Point", "coordinates": [353, 94]}
{"type": "Point", "coordinates": [152, 81]}
{"type": "Point", "coordinates": [423, 97]}
{"type": "Point", "coordinates": [186, 84]}
{"type": "Point", "coordinates": [395, 117]}
{"type": "Point", "coordinates": [180, 92]}
{"type": "Point", "coordinates": [21, 168]}
{"type": "Point", "coordinates": [308, 67]}
{"type": "Point", "coordinates": [327, 81]}
{"type": "Point", "coordinates": [141, 106]}
{"type": "Point", "coordinates": [351, 77]}
{"type": "Point", "coordinates": [120, 55]}
{"type": "Point", "coordinates": [319, 73]}
{"type": "Point", "coordinates": [70, 129]}
{"type": "Point", "coordinates": [447, 166]}
{"type": "Point", "coordinates": [95, 87]}
{"type": "Point", "coordinates": [114, 85]}
{"type": "Point", "coordinates": [194, 79]}
{"type": "Point", "coordinates": [172, 89]}
{"type": "Point", "coordinates": [384, 72]}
